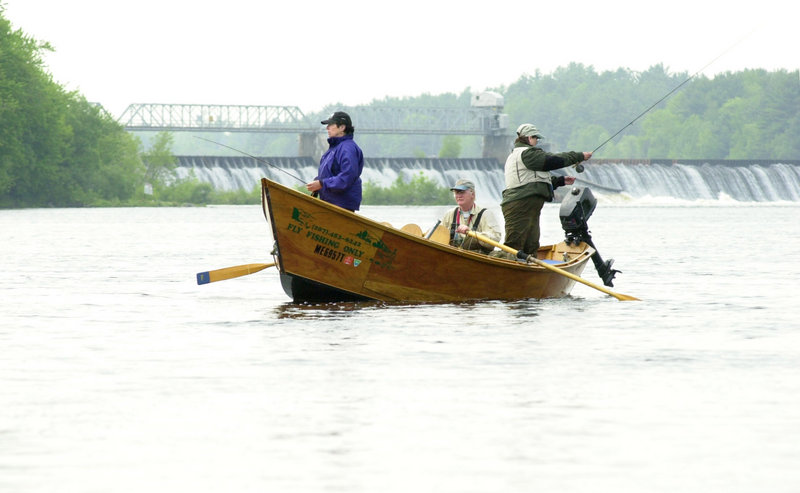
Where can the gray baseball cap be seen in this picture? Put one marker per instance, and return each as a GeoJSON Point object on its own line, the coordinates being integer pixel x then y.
{"type": "Point", "coordinates": [529, 130]}
{"type": "Point", "coordinates": [463, 185]}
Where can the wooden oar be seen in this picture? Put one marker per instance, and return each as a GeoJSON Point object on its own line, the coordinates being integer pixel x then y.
{"type": "Point", "coordinates": [506, 248]}
{"type": "Point", "coordinates": [229, 272]}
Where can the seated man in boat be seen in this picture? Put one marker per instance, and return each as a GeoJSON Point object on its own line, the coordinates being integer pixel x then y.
{"type": "Point", "coordinates": [469, 216]}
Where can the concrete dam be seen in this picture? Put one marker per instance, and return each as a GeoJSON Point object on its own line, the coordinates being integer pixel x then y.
{"type": "Point", "coordinates": [746, 181]}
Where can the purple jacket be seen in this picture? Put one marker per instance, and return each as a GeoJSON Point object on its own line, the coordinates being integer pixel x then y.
{"type": "Point", "coordinates": [340, 173]}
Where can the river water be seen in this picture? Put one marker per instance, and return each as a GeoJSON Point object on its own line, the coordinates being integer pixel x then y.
{"type": "Point", "coordinates": [119, 374]}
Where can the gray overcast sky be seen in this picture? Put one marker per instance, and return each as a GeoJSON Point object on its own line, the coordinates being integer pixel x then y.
{"type": "Point", "coordinates": [312, 53]}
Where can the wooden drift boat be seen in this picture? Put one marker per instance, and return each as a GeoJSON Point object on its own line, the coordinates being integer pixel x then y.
{"type": "Point", "coordinates": [325, 253]}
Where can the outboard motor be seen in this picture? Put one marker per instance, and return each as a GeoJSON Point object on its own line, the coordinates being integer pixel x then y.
{"type": "Point", "coordinates": [576, 208]}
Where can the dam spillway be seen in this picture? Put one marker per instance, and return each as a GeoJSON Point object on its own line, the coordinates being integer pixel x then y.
{"type": "Point", "coordinates": [746, 181]}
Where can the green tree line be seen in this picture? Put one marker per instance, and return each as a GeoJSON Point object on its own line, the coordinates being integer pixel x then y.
{"type": "Point", "coordinates": [752, 114]}
{"type": "Point", "coordinates": [57, 149]}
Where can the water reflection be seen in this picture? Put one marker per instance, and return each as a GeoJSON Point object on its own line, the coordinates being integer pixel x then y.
{"type": "Point", "coordinates": [337, 310]}
{"type": "Point", "coordinates": [315, 311]}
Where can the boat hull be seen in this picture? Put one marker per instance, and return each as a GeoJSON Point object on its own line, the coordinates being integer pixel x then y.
{"type": "Point", "coordinates": [326, 253]}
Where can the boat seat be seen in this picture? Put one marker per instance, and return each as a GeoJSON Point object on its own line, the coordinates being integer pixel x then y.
{"type": "Point", "coordinates": [441, 235]}
{"type": "Point", "coordinates": [412, 229]}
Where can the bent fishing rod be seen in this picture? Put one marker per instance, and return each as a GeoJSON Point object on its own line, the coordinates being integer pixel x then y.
{"type": "Point", "coordinates": [254, 157]}
{"type": "Point", "coordinates": [579, 167]}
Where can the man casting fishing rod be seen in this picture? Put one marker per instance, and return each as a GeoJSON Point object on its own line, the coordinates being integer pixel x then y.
{"type": "Point", "coordinates": [529, 184]}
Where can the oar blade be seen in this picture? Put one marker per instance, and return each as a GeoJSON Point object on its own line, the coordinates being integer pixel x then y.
{"type": "Point", "coordinates": [619, 296]}
{"type": "Point", "coordinates": [229, 272]}
{"type": "Point", "coordinates": [626, 297]}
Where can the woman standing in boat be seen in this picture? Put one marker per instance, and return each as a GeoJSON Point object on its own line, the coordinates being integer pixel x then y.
{"type": "Point", "coordinates": [338, 180]}
{"type": "Point", "coordinates": [529, 184]}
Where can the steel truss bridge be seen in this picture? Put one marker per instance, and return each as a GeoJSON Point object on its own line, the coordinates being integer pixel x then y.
{"type": "Point", "coordinates": [290, 119]}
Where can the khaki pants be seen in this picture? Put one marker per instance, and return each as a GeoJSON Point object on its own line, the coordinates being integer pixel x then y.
{"type": "Point", "coordinates": [522, 223]}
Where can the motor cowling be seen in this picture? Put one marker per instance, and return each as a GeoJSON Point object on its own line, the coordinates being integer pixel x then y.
{"type": "Point", "coordinates": [576, 209]}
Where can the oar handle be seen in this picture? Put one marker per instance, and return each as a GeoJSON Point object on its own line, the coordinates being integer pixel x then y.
{"type": "Point", "coordinates": [230, 272]}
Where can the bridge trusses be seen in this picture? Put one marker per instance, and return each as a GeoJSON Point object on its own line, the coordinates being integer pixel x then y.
{"type": "Point", "coordinates": [290, 119]}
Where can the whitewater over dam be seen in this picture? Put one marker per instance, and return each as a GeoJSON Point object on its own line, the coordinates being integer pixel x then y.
{"type": "Point", "coordinates": [745, 181]}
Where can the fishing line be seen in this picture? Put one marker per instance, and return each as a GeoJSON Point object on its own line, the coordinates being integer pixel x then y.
{"type": "Point", "coordinates": [254, 157]}
{"type": "Point", "coordinates": [672, 91]}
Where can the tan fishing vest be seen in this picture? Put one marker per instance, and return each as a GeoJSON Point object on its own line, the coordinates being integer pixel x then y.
{"type": "Point", "coordinates": [517, 174]}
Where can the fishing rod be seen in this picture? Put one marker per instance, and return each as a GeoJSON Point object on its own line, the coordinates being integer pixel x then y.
{"type": "Point", "coordinates": [579, 167]}
{"type": "Point", "coordinates": [254, 157]}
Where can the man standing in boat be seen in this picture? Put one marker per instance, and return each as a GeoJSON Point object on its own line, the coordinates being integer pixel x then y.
{"type": "Point", "coordinates": [529, 184]}
{"type": "Point", "coordinates": [468, 216]}
{"type": "Point", "coordinates": [338, 180]}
